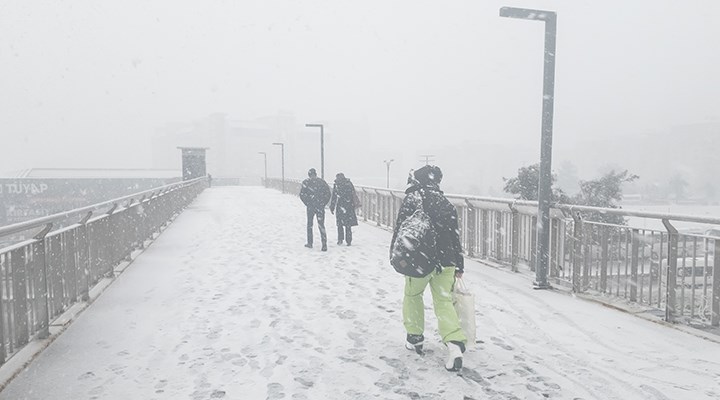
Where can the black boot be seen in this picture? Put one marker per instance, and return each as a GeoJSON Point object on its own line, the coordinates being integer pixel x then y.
{"type": "Point", "coordinates": [414, 342]}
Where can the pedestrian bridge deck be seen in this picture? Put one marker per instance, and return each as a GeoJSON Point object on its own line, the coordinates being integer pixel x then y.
{"type": "Point", "coordinates": [227, 303]}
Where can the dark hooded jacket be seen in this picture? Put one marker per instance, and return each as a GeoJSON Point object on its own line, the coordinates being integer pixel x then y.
{"type": "Point", "coordinates": [443, 217]}
{"type": "Point", "coordinates": [342, 201]}
{"type": "Point", "coordinates": [315, 193]}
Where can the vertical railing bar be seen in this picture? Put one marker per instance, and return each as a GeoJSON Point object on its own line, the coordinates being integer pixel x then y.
{"type": "Point", "coordinates": [706, 267]}
{"type": "Point", "coordinates": [576, 251]}
{"type": "Point", "coordinates": [626, 262]}
{"type": "Point", "coordinates": [635, 233]}
{"type": "Point", "coordinates": [604, 259]}
{"type": "Point", "coordinates": [641, 262]}
{"type": "Point", "coordinates": [587, 248]}
{"type": "Point", "coordinates": [671, 274]}
{"type": "Point", "coordinates": [3, 277]}
{"type": "Point", "coordinates": [650, 272]}
{"type": "Point", "coordinates": [715, 318]}
{"type": "Point", "coordinates": [684, 272]}
{"type": "Point", "coordinates": [515, 238]}
{"type": "Point", "coordinates": [692, 290]}
{"type": "Point", "coordinates": [620, 236]}
{"type": "Point", "coordinates": [497, 235]}
{"type": "Point", "coordinates": [661, 269]}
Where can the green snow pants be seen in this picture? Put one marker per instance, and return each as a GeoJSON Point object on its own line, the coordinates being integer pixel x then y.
{"type": "Point", "coordinates": [441, 286]}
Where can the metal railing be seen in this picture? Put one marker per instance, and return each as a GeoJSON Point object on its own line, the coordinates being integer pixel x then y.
{"type": "Point", "coordinates": [43, 276]}
{"type": "Point", "coordinates": [666, 270]}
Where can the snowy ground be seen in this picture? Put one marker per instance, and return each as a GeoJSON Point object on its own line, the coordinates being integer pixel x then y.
{"type": "Point", "coordinates": [227, 303]}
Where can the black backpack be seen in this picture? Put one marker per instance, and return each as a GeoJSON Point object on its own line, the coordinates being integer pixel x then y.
{"type": "Point", "coordinates": [414, 252]}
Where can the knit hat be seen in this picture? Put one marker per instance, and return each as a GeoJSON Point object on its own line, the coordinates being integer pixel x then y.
{"type": "Point", "coordinates": [429, 174]}
{"type": "Point", "coordinates": [312, 172]}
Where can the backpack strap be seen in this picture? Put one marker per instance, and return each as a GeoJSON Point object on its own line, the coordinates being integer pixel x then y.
{"type": "Point", "coordinates": [438, 267]}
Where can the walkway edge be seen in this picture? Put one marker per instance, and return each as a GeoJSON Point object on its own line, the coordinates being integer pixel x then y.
{"type": "Point", "coordinates": [683, 328]}
{"type": "Point", "coordinates": [22, 359]}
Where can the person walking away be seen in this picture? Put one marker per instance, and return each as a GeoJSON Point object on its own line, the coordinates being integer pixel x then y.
{"type": "Point", "coordinates": [424, 194]}
{"type": "Point", "coordinates": [315, 194]}
{"type": "Point", "coordinates": [342, 204]}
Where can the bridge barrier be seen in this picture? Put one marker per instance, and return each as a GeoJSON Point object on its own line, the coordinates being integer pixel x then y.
{"type": "Point", "coordinates": [43, 276]}
{"type": "Point", "coordinates": [667, 270]}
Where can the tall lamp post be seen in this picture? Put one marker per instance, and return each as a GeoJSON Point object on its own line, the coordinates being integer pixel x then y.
{"type": "Point", "coordinates": [545, 181]}
{"type": "Point", "coordinates": [282, 153]}
{"type": "Point", "coordinates": [264, 156]}
{"type": "Point", "coordinates": [387, 164]}
{"type": "Point", "coordinates": [428, 158]}
{"type": "Point", "coordinates": [322, 147]}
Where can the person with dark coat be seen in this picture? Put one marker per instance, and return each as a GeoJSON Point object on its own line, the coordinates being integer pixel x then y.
{"type": "Point", "coordinates": [424, 193]}
{"type": "Point", "coordinates": [315, 194]}
{"type": "Point", "coordinates": [342, 204]}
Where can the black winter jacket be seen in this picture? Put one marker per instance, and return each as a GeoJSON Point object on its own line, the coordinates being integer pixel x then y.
{"type": "Point", "coordinates": [343, 198]}
{"type": "Point", "coordinates": [315, 193]}
{"type": "Point", "coordinates": [444, 219]}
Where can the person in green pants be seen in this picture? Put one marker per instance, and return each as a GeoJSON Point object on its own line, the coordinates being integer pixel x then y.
{"type": "Point", "coordinates": [424, 192]}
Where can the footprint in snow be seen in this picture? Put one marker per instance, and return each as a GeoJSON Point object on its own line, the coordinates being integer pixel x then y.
{"type": "Point", "coordinates": [275, 391]}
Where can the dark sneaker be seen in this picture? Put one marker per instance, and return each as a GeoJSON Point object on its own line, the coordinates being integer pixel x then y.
{"type": "Point", "coordinates": [348, 243]}
{"type": "Point", "coordinates": [414, 342]}
{"type": "Point", "coordinates": [454, 361]}
{"type": "Point", "coordinates": [308, 245]}
{"type": "Point", "coordinates": [324, 247]}
{"type": "Point", "coordinates": [339, 242]}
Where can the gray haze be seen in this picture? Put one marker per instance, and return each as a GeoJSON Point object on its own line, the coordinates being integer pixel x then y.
{"type": "Point", "coordinates": [87, 83]}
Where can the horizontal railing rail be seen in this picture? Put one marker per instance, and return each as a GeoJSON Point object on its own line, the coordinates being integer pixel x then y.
{"type": "Point", "coordinates": [43, 276]}
{"type": "Point", "coordinates": [675, 272]}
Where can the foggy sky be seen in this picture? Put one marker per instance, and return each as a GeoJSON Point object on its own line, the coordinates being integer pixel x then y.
{"type": "Point", "coordinates": [86, 83]}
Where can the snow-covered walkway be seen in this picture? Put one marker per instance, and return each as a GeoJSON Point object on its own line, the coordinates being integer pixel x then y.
{"type": "Point", "coordinates": [227, 303]}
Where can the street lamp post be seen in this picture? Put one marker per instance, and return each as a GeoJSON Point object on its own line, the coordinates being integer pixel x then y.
{"type": "Point", "coordinates": [282, 153]}
{"type": "Point", "coordinates": [322, 147]}
{"type": "Point", "coordinates": [545, 181]}
{"type": "Point", "coordinates": [264, 156]}
{"type": "Point", "coordinates": [428, 158]}
{"type": "Point", "coordinates": [387, 164]}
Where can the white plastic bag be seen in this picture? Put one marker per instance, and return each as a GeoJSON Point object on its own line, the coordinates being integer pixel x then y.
{"type": "Point", "coordinates": [464, 303]}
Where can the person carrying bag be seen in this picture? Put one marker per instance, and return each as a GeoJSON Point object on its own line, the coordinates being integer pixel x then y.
{"type": "Point", "coordinates": [426, 248]}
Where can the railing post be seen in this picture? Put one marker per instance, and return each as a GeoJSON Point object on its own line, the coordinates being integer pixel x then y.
{"type": "Point", "coordinates": [514, 238]}
{"type": "Point", "coordinates": [471, 229]}
{"type": "Point", "coordinates": [634, 264]}
{"type": "Point", "coordinates": [533, 242]}
{"type": "Point", "coordinates": [84, 264]}
{"type": "Point", "coordinates": [366, 205]}
{"type": "Point", "coordinates": [715, 320]}
{"type": "Point", "coordinates": [671, 285]}
{"type": "Point", "coordinates": [604, 258]}
{"type": "Point", "coordinates": [3, 350]}
{"type": "Point", "coordinates": [498, 236]}
{"type": "Point", "coordinates": [377, 208]}
{"type": "Point", "coordinates": [485, 234]}
{"type": "Point", "coordinates": [577, 251]}
{"type": "Point", "coordinates": [41, 291]}
{"type": "Point", "coordinates": [393, 214]}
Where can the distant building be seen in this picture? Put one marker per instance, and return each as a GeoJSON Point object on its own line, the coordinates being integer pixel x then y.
{"type": "Point", "coordinates": [233, 144]}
